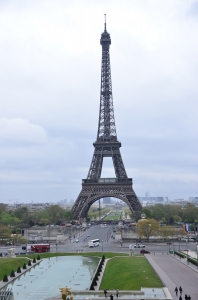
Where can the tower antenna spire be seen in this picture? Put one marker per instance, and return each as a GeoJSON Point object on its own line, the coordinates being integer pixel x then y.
{"type": "Point", "coordinates": [105, 29]}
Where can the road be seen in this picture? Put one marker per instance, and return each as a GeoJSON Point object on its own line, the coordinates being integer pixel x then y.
{"type": "Point", "coordinates": [107, 243]}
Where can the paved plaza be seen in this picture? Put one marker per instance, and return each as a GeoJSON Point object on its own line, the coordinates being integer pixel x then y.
{"type": "Point", "coordinates": [175, 272]}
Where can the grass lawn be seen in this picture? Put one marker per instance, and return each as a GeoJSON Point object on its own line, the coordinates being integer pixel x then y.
{"type": "Point", "coordinates": [129, 273]}
{"type": "Point", "coordinates": [113, 216]}
{"type": "Point", "coordinates": [9, 264]}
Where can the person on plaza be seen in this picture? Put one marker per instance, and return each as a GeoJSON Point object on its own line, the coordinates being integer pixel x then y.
{"type": "Point", "coordinates": [176, 291]}
{"type": "Point", "coordinates": [117, 293]}
{"type": "Point", "coordinates": [180, 297]}
{"type": "Point", "coordinates": [189, 298]}
{"type": "Point", "coordinates": [105, 292]}
{"type": "Point", "coordinates": [111, 297]}
{"type": "Point", "coordinates": [186, 297]}
{"type": "Point", "coordinates": [180, 289]}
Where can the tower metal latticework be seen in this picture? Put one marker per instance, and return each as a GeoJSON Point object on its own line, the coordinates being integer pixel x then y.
{"type": "Point", "coordinates": [94, 187]}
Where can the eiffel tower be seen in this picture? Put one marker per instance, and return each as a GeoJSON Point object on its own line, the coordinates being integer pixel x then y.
{"type": "Point", "coordinates": [94, 187]}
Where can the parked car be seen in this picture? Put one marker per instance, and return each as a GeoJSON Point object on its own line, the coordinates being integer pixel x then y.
{"type": "Point", "coordinates": [184, 239]}
{"type": "Point", "coordinates": [143, 251]}
{"type": "Point", "coordinates": [169, 243]}
{"type": "Point", "coordinates": [77, 241]}
{"type": "Point", "coordinates": [139, 246]}
{"type": "Point", "coordinates": [187, 239]}
{"type": "Point", "coordinates": [8, 244]}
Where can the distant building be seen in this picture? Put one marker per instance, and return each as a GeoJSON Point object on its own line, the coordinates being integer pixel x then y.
{"type": "Point", "coordinates": [193, 199]}
{"type": "Point", "coordinates": [153, 200]}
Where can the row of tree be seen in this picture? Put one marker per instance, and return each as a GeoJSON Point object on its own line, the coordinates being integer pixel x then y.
{"type": "Point", "coordinates": [170, 214]}
{"type": "Point", "coordinates": [22, 217]}
{"type": "Point", "coordinates": [150, 227]}
{"type": "Point", "coordinates": [167, 214]}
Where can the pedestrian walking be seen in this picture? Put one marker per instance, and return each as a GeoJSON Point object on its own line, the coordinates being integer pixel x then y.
{"type": "Point", "coordinates": [105, 292]}
{"type": "Point", "coordinates": [180, 289]}
{"type": "Point", "coordinates": [117, 293]}
{"type": "Point", "coordinates": [186, 297]}
{"type": "Point", "coordinates": [111, 297]}
{"type": "Point", "coordinates": [189, 298]}
{"type": "Point", "coordinates": [176, 291]}
{"type": "Point", "coordinates": [180, 297]}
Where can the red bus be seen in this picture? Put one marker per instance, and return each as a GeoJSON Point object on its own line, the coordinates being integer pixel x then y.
{"type": "Point", "coordinates": [38, 248]}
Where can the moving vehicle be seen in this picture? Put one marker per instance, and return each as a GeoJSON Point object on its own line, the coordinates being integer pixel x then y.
{"type": "Point", "coordinates": [143, 251]}
{"type": "Point", "coordinates": [139, 246]}
{"type": "Point", "coordinates": [37, 248]}
{"type": "Point", "coordinates": [94, 243]}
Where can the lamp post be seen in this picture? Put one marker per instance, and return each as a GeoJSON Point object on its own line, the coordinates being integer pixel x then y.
{"type": "Point", "coordinates": [187, 253]}
{"type": "Point", "coordinates": [179, 250]}
{"type": "Point", "coordinates": [197, 254]}
{"type": "Point", "coordinates": [102, 246]}
{"type": "Point", "coordinates": [148, 231]}
{"type": "Point", "coordinates": [49, 234]}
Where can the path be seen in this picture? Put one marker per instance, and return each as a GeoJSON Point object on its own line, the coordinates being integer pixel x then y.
{"type": "Point", "coordinates": [175, 273]}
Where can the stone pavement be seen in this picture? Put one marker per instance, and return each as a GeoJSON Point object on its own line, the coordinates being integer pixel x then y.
{"type": "Point", "coordinates": [174, 272]}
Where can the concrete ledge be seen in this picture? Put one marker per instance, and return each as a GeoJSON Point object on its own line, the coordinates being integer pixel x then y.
{"type": "Point", "coordinates": [167, 293]}
{"type": "Point", "coordinates": [10, 279]}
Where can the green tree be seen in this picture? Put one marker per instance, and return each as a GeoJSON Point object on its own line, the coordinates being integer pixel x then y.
{"type": "Point", "coordinates": [147, 228]}
{"type": "Point", "coordinates": [8, 219]}
{"type": "Point", "coordinates": [167, 231]}
{"type": "Point", "coordinates": [190, 213]}
{"type": "Point", "coordinates": [55, 213]}
{"type": "Point", "coordinates": [22, 214]}
{"type": "Point", "coordinates": [177, 219]}
{"type": "Point", "coordinates": [3, 208]}
{"type": "Point", "coordinates": [68, 215]}
{"type": "Point", "coordinates": [147, 212]}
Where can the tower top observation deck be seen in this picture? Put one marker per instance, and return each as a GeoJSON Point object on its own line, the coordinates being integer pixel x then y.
{"type": "Point", "coordinates": [105, 36]}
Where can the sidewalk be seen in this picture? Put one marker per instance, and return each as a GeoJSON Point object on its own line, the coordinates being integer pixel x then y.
{"type": "Point", "coordinates": [174, 272]}
{"type": "Point", "coordinates": [184, 260]}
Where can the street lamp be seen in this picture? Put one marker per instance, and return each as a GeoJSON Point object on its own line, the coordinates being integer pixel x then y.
{"type": "Point", "coordinates": [187, 252]}
{"type": "Point", "coordinates": [197, 254]}
{"type": "Point", "coordinates": [148, 231]}
{"type": "Point", "coordinates": [102, 246]}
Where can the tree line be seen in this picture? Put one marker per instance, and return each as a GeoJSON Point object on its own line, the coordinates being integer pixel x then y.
{"type": "Point", "coordinates": [170, 214]}
{"type": "Point", "coordinates": [22, 217]}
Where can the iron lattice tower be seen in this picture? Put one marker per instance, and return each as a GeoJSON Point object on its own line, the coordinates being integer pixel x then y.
{"type": "Point", "coordinates": [94, 187]}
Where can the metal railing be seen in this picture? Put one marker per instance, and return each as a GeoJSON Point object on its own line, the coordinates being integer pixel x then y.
{"type": "Point", "coordinates": [108, 180]}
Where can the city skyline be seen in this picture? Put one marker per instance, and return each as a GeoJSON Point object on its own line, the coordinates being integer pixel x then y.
{"type": "Point", "coordinates": [50, 94]}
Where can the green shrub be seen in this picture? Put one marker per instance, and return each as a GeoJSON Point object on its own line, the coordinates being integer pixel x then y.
{"type": "Point", "coordinates": [24, 266]}
{"type": "Point", "coordinates": [29, 262]}
{"type": "Point", "coordinates": [38, 257]}
{"type": "Point", "coordinates": [19, 270]}
{"type": "Point", "coordinates": [5, 278]}
{"type": "Point", "coordinates": [180, 254]}
{"type": "Point", "coordinates": [12, 274]}
{"type": "Point", "coordinates": [192, 260]}
{"type": "Point", "coordinates": [34, 260]}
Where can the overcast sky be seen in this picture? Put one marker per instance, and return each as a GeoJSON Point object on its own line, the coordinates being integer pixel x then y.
{"type": "Point", "coordinates": [50, 66]}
